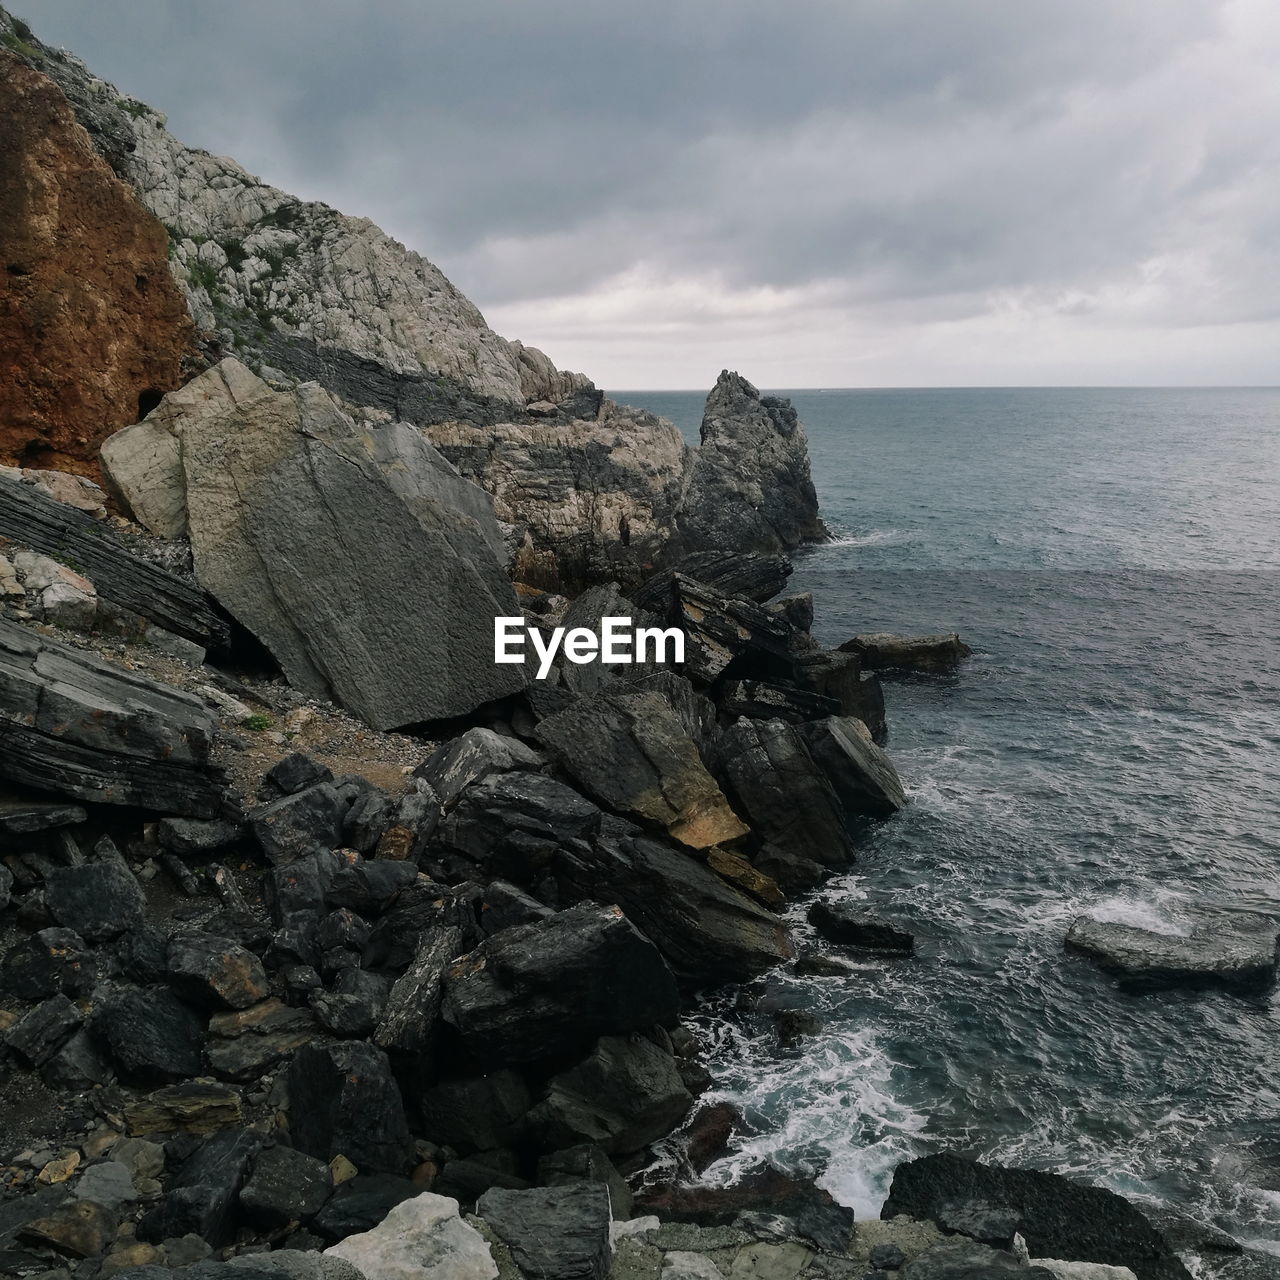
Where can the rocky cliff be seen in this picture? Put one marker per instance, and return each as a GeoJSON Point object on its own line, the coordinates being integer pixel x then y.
{"type": "Point", "coordinates": [586, 488]}
{"type": "Point", "coordinates": [92, 325]}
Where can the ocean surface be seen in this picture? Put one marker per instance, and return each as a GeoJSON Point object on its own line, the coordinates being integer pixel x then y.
{"type": "Point", "coordinates": [1112, 749]}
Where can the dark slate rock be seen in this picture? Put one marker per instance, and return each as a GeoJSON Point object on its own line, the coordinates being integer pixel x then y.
{"type": "Point", "coordinates": [740, 575]}
{"type": "Point", "coordinates": [362, 1203]}
{"type": "Point", "coordinates": [23, 815]}
{"type": "Point", "coordinates": [245, 1043]}
{"type": "Point", "coordinates": [758, 700]}
{"type": "Point", "coordinates": [467, 1179]}
{"type": "Point", "coordinates": [369, 816]}
{"type": "Point", "coordinates": [708, 931]}
{"type": "Point", "coordinates": [368, 885]}
{"type": "Point", "coordinates": [78, 726]}
{"type": "Point", "coordinates": [192, 838]}
{"type": "Point", "coordinates": [343, 1100]}
{"type": "Point", "coordinates": [883, 652]}
{"type": "Point", "coordinates": [473, 756]}
{"type": "Point", "coordinates": [52, 960]}
{"type": "Point", "coordinates": [968, 1260]}
{"type": "Point", "coordinates": [144, 955]}
{"type": "Point", "coordinates": [298, 825]}
{"type": "Point", "coordinates": [42, 1031]}
{"type": "Point", "coordinates": [886, 1257]}
{"type": "Point", "coordinates": [545, 990]}
{"type": "Point", "coordinates": [504, 906]}
{"type": "Point", "coordinates": [1058, 1218]}
{"type": "Point", "coordinates": [344, 1015]}
{"type": "Point", "coordinates": [150, 1033]}
{"type": "Point", "coordinates": [863, 776]}
{"type": "Point", "coordinates": [797, 823]}
{"type": "Point", "coordinates": [839, 676]}
{"type": "Point", "coordinates": [851, 925]}
{"type": "Point", "coordinates": [98, 900]}
{"type": "Point", "coordinates": [342, 928]}
{"type": "Point", "coordinates": [296, 772]}
{"type": "Point", "coordinates": [203, 1196]}
{"type": "Point", "coordinates": [554, 1233]}
{"type": "Point", "coordinates": [1243, 959]}
{"type": "Point", "coordinates": [285, 1186]}
{"type": "Point", "coordinates": [6, 886]}
{"type": "Point", "coordinates": [695, 711]}
{"type": "Point", "coordinates": [296, 892]}
{"type": "Point", "coordinates": [625, 1094]}
{"type": "Point", "coordinates": [478, 1113]}
{"type": "Point", "coordinates": [215, 973]}
{"type": "Point", "coordinates": [78, 1064]}
{"type": "Point", "coordinates": [587, 1163]}
{"type": "Point", "coordinates": [408, 1019]}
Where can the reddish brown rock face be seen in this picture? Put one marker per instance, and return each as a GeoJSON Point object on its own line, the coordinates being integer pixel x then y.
{"type": "Point", "coordinates": [93, 327]}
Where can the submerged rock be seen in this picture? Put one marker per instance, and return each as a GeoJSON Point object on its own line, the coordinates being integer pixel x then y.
{"type": "Point", "coordinates": [850, 924]}
{"type": "Point", "coordinates": [1245, 959]}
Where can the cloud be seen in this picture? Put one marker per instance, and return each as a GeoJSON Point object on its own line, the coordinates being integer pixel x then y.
{"type": "Point", "coordinates": [830, 192]}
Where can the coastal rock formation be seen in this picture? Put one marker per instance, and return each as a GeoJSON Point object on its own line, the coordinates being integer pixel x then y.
{"type": "Point", "coordinates": [337, 547]}
{"type": "Point", "coordinates": [884, 652]}
{"type": "Point", "coordinates": [93, 327]}
{"type": "Point", "coordinates": [1244, 958]}
{"type": "Point", "coordinates": [749, 484]}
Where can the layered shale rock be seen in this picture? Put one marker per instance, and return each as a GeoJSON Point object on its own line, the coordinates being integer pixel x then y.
{"type": "Point", "coordinates": [93, 327]}
{"type": "Point", "coordinates": [358, 556]}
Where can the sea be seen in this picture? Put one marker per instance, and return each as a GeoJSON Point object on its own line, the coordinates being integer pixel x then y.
{"type": "Point", "coordinates": [1112, 749]}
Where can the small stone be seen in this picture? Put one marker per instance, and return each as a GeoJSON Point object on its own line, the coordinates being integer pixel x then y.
{"type": "Point", "coordinates": [341, 1170]}
{"type": "Point", "coordinates": [61, 1169]}
{"type": "Point", "coordinates": [78, 1227]}
{"type": "Point", "coordinates": [887, 1257]}
{"type": "Point", "coordinates": [109, 1183]}
{"type": "Point", "coordinates": [285, 1186]}
{"type": "Point", "coordinates": [193, 1107]}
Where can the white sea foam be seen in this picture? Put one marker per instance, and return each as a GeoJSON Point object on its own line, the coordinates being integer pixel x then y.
{"type": "Point", "coordinates": [1158, 913]}
{"type": "Point", "coordinates": [875, 538]}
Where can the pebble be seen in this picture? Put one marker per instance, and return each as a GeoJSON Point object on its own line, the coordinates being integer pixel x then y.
{"type": "Point", "coordinates": [61, 1168]}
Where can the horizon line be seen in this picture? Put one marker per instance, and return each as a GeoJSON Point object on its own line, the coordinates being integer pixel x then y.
{"type": "Point", "coordinates": [992, 386]}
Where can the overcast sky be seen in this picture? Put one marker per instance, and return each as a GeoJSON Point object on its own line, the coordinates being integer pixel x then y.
{"type": "Point", "coordinates": [816, 192]}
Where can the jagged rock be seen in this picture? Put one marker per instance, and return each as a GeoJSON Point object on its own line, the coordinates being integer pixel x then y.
{"type": "Point", "coordinates": [738, 871]}
{"type": "Point", "coordinates": [412, 822]}
{"type": "Point", "coordinates": [695, 711]}
{"type": "Point", "coordinates": [344, 1014]}
{"type": "Point", "coordinates": [215, 972]}
{"type": "Point", "coordinates": [296, 772]}
{"type": "Point", "coordinates": [361, 1204]}
{"type": "Point", "coordinates": [466, 1180]}
{"type": "Point", "coordinates": [299, 824]}
{"type": "Point", "coordinates": [367, 821]}
{"type": "Point", "coordinates": [191, 1107]}
{"type": "Point", "coordinates": [839, 676]}
{"type": "Point", "coordinates": [52, 960]}
{"type": "Point", "coordinates": [1058, 1218]}
{"type": "Point", "coordinates": [631, 753]}
{"type": "Point", "coordinates": [587, 1163]}
{"type": "Point", "coordinates": [203, 1196]}
{"type": "Point", "coordinates": [285, 1186]}
{"type": "Point", "coordinates": [189, 838]}
{"type": "Point", "coordinates": [79, 1228]}
{"type": "Point", "coordinates": [477, 1113]}
{"type": "Point", "coordinates": [78, 726]}
{"type": "Point", "coordinates": [285, 492]}
{"type": "Point", "coordinates": [504, 906]}
{"type": "Point", "coordinates": [543, 990]}
{"type": "Point", "coordinates": [741, 575]}
{"type": "Point", "coordinates": [293, 1264]}
{"type": "Point", "coordinates": [368, 885]}
{"type": "Point", "coordinates": [136, 588]}
{"type": "Point", "coordinates": [863, 776]}
{"type": "Point", "coordinates": [798, 825]}
{"type": "Point", "coordinates": [884, 652]}
{"type": "Point", "coordinates": [474, 755]}
{"type": "Point", "coordinates": [420, 1239]}
{"type": "Point", "coordinates": [708, 931]}
{"type": "Point", "coordinates": [554, 1233]}
{"type": "Point", "coordinates": [749, 486]}
{"type": "Point", "coordinates": [343, 1100]}
{"type": "Point", "coordinates": [150, 1032]}
{"type": "Point", "coordinates": [849, 924]}
{"type": "Point", "coordinates": [409, 1018]}
{"type": "Point", "coordinates": [758, 700]}
{"type": "Point", "coordinates": [1245, 958]}
{"type": "Point", "coordinates": [78, 1064]}
{"type": "Point", "coordinates": [92, 318]}
{"type": "Point", "coordinates": [97, 900]}
{"type": "Point", "coordinates": [623, 1095]}
{"type": "Point", "coordinates": [23, 815]}
{"type": "Point", "coordinates": [42, 1031]}
{"type": "Point", "coordinates": [108, 1183]}
{"type": "Point", "coordinates": [967, 1260]}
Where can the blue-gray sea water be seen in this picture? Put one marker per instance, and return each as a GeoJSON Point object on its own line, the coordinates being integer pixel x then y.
{"type": "Point", "coordinates": [1112, 749]}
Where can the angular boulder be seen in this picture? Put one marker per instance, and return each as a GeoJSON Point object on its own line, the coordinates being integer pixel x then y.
{"type": "Point", "coordinates": [851, 925]}
{"type": "Point", "coordinates": [554, 1233]}
{"type": "Point", "coordinates": [75, 725]}
{"type": "Point", "coordinates": [299, 824]}
{"type": "Point", "coordinates": [215, 973]}
{"type": "Point", "coordinates": [632, 754]}
{"type": "Point", "coordinates": [471, 757]}
{"type": "Point", "coordinates": [742, 575]}
{"type": "Point", "coordinates": [420, 1239]}
{"type": "Point", "coordinates": [151, 1033]}
{"type": "Point", "coordinates": [1245, 959]}
{"type": "Point", "coordinates": [862, 775]}
{"type": "Point", "coordinates": [98, 900]}
{"type": "Point", "coordinates": [1056, 1217]}
{"type": "Point", "coordinates": [542, 991]}
{"type": "Point", "coordinates": [358, 556]}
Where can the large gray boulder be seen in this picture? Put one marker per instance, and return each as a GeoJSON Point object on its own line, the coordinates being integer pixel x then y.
{"type": "Point", "coordinates": [1244, 957]}
{"type": "Point", "coordinates": [749, 484]}
{"type": "Point", "coordinates": [862, 775]}
{"type": "Point", "coordinates": [355, 553]}
{"type": "Point", "coordinates": [554, 1233]}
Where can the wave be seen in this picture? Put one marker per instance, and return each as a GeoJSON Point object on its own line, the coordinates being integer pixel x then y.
{"type": "Point", "coordinates": [876, 538]}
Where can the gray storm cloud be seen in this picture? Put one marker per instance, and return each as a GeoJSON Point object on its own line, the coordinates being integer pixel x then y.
{"type": "Point", "coordinates": [830, 192]}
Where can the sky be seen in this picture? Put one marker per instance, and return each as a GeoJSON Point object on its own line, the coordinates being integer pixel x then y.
{"type": "Point", "coordinates": [819, 193]}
